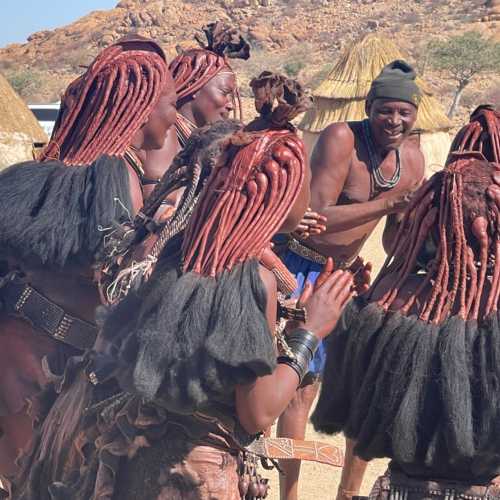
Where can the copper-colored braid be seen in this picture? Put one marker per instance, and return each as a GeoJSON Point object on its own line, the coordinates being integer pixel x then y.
{"type": "Point", "coordinates": [481, 135]}
{"type": "Point", "coordinates": [222, 231]}
{"type": "Point", "coordinates": [472, 272]}
{"type": "Point", "coordinates": [458, 244]}
{"type": "Point", "coordinates": [244, 203]}
{"type": "Point", "coordinates": [194, 68]}
{"type": "Point", "coordinates": [463, 278]}
{"type": "Point", "coordinates": [464, 249]}
{"type": "Point", "coordinates": [103, 109]}
{"type": "Point", "coordinates": [479, 229]}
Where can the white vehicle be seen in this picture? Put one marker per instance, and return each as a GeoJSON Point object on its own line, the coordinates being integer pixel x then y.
{"type": "Point", "coordinates": [46, 114]}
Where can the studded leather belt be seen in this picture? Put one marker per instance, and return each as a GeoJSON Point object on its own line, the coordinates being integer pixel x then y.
{"type": "Point", "coordinates": [21, 299]}
{"type": "Point", "coordinates": [298, 248]}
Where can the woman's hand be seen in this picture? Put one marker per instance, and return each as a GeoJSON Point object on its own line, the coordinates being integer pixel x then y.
{"type": "Point", "coordinates": [325, 301]}
{"type": "Point", "coordinates": [311, 223]}
{"type": "Point", "coordinates": [362, 275]}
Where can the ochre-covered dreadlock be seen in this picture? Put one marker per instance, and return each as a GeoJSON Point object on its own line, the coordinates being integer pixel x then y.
{"type": "Point", "coordinates": [192, 169]}
{"type": "Point", "coordinates": [464, 237]}
{"type": "Point", "coordinates": [413, 367]}
{"type": "Point", "coordinates": [103, 109]}
{"type": "Point", "coordinates": [246, 201]}
{"type": "Point", "coordinates": [481, 134]}
{"type": "Point", "coordinates": [194, 68]}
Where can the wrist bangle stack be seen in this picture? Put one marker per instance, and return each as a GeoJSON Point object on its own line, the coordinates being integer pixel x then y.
{"type": "Point", "coordinates": [303, 345]}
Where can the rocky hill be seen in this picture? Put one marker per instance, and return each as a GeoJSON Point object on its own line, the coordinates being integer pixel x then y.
{"type": "Point", "coordinates": [300, 37]}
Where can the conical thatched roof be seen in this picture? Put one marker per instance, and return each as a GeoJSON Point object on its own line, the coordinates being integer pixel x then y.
{"type": "Point", "coordinates": [19, 128]}
{"type": "Point", "coordinates": [341, 96]}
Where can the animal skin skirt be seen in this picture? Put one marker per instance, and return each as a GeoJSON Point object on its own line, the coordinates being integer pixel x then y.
{"type": "Point", "coordinates": [205, 473]}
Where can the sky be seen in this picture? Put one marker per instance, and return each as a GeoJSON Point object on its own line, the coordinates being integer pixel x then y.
{"type": "Point", "coordinates": [20, 18]}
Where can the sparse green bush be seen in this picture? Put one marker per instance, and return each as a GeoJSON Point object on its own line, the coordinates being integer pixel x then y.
{"type": "Point", "coordinates": [293, 68]}
{"type": "Point", "coordinates": [464, 57]}
{"type": "Point", "coordinates": [319, 76]}
{"type": "Point", "coordinates": [24, 81]}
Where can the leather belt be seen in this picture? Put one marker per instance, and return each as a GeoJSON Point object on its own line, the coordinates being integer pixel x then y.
{"type": "Point", "coordinates": [305, 252]}
{"type": "Point", "coordinates": [298, 248]}
{"type": "Point", "coordinates": [21, 299]}
{"type": "Point", "coordinates": [282, 448]}
{"type": "Point", "coordinates": [297, 449]}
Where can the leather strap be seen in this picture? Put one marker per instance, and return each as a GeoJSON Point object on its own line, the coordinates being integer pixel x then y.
{"type": "Point", "coordinates": [23, 300]}
{"type": "Point", "coordinates": [281, 448]}
{"type": "Point", "coordinates": [298, 248]}
{"type": "Point", "coordinates": [296, 449]}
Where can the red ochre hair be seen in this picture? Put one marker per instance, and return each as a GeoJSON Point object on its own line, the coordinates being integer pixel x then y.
{"type": "Point", "coordinates": [481, 134]}
{"type": "Point", "coordinates": [452, 210]}
{"type": "Point", "coordinates": [194, 68]}
{"type": "Point", "coordinates": [103, 109]}
{"type": "Point", "coordinates": [245, 202]}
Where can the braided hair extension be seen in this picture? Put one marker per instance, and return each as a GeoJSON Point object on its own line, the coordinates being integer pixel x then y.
{"type": "Point", "coordinates": [194, 68]}
{"type": "Point", "coordinates": [245, 202]}
{"type": "Point", "coordinates": [412, 372]}
{"type": "Point", "coordinates": [103, 109]}
{"type": "Point", "coordinates": [461, 264]}
{"type": "Point", "coordinates": [481, 135]}
{"type": "Point", "coordinates": [122, 269]}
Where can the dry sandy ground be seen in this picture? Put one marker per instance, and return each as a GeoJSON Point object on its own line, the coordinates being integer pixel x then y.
{"type": "Point", "coordinates": [320, 482]}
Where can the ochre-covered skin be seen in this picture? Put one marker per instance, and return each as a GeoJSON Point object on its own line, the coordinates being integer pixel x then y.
{"type": "Point", "coordinates": [412, 371]}
{"type": "Point", "coordinates": [87, 127]}
{"type": "Point", "coordinates": [198, 349]}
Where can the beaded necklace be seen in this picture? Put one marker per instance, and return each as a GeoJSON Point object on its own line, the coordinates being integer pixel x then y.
{"type": "Point", "coordinates": [375, 161]}
{"type": "Point", "coordinates": [184, 128]}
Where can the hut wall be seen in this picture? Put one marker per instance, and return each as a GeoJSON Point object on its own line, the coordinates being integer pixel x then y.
{"type": "Point", "coordinates": [435, 147]}
{"type": "Point", "coordinates": [14, 148]}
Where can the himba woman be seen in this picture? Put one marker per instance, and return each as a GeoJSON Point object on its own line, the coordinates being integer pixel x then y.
{"type": "Point", "coordinates": [413, 369]}
{"type": "Point", "coordinates": [206, 88]}
{"type": "Point", "coordinates": [55, 214]}
{"type": "Point", "coordinates": [193, 349]}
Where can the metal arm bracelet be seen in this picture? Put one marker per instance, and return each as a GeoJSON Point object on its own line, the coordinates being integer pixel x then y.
{"type": "Point", "coordinates": [303, 345]}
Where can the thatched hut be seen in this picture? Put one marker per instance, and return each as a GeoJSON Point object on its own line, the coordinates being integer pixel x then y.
{"type": "Point", "coordinates": [341, 97]}
{"type": "Point", "coordinates": [19, 129]}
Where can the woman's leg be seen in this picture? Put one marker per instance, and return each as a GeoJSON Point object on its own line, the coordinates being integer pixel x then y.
{"type": "Point", "coordinates": [352, 473]}
{"type": "Point", "coordinates": [292, 424]}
